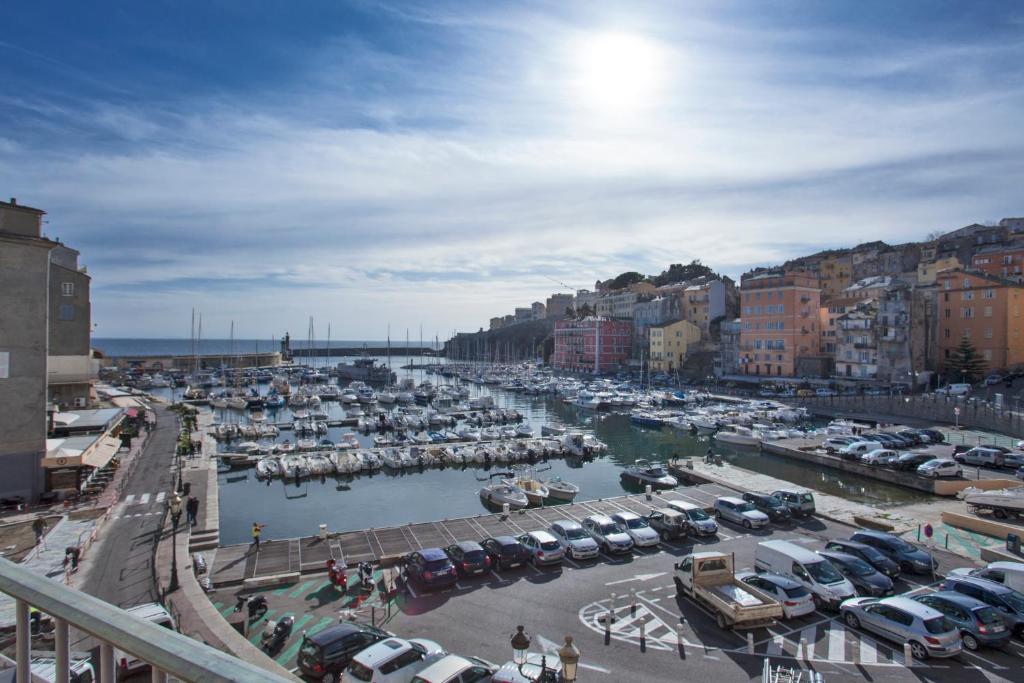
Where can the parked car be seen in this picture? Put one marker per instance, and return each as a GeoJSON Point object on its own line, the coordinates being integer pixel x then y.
{"type": "Point", "coordinates": [394, 660]}
{"type": "Point", "coordinates": [941, 467]}
{"type": "Point", "coordinates": [739, 511]}
{"type": "Point", "coordinates": [795, 599]}
{"type": "Point", "coordinates": [430, 568]}
{"type": "Point", "coordinates": [822, 391]}
{"type": "Point", "coordinates": [608, 534]}
{"type": "Point", "coordinates": [1008, 602]}
{"type": "Point", "coordinates": [881, 457]}
{"type": "Point", "coordinates": [805, 393]}
{"type": "Point", "coordinates": [865, 578]}
{"type": "Point", "coordinates": [574, 539]}
{"type": "Point", "coordinates": [456, 669]}
{"type": "Point", "coordinates": [914, 438]}
{"type": "Point", "coordinates": [776, 510]}
{"type": "Point", "coordinates": [909, 557]}
{"type": "Point", "coordinates": [801, 503]}
{"type": "Point", "coordinates": [859, 448]}
{"type": "Point", "coordinates": [981, 456]}
{"type": "Point", "coordinates": [469, 558]}
{"type": "Point", "coordinates": [638, 529]}
{"type": "Point", "coordinates": [934, 435]}
{"type": "Point", "coordinates": [979, 624]}
{"type": "Point", "coordinates": [669, 523]}
{"type": "Point", "coordinates": [911, 461]}
{"type": "Point", "coordinates": [505, 552]}
{"type": "Point", "coordinates": [325, 655]}
{"type": "Point", "coordinates": [543, 547]}
{"type": "Point", "coordinates": [872, 556]}
{"type": "Point", "coordinates": [958, 389]}
{"type": "Point", "coordinates": [1019, 473]}
{"type": "Point", "coordinates": [1009, 574]}
{"type": "Point", "coordinates": [1013, 459]}
{"type": "Point", "coordinates": [828, 587]}
{"type": "Point", "coordinates": [150, 611]}
{"type": "Point", "coordinates": [840, 442]}
{"type": "Point", "coordinates": [994, 378]}
{"type": "Point", "coordinates": [903, 620]}
{"type": "Point", "coordinates": [700, 521]}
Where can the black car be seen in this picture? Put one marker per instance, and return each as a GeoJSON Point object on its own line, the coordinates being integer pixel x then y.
{"type": "Point", "coordinates": [909, 557]}
{"type": "Point", "coordinates": [430, 568]}
{"type": "Point", "coordinates": [506, 552]}
{"type": "Point", "coordinates": [876, 558]}
{"type": "Point", "coordinates": [911, 461]}
{"type": "Point", "coordinates": [913, 437]}
{"type": "Point", "coordinates": [773, 506]}
{"type": "Point", "coordinates": [934, 435]}
{"type": "Point", "coordinates": [469, 558]}
{"type": "Point", "coordinates": [325, 655]}
{"type": "Point", "coordinates": [865, 578]}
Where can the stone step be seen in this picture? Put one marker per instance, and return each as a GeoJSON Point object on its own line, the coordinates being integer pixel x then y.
{"type": "Point", "coordinates": [207, 544]}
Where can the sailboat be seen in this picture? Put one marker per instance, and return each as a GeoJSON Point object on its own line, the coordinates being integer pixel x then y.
{"type": "Point", "coordinates": [387, 394]}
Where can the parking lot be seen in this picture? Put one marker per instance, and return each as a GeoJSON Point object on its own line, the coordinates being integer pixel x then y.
{"type": "Point", "coordinates": [477, 616]}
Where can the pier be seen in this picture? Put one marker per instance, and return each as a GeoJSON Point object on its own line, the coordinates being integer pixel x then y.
{"type": "Point", "coordinates": [325, 351]}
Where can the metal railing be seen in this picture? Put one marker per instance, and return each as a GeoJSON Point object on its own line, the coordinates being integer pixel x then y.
{"type": "Point", "coordinates": [169, 653]}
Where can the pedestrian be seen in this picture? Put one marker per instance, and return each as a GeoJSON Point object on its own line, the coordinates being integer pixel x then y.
{"type": "Point", "coordinates": [39, 526]}
{"type": "Point", "coordinates": [257, 529]}
{"type": "Point", "coordinates": [192, 510]}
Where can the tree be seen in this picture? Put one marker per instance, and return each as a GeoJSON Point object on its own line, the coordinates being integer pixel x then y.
{"type": "Point", "coordinates": [677, 272]}
{"type": "Point", "coordinates": [584, 311]}
{"type": "Point", "coordinates": [965, 363]}
{"type": "Point", "coordinates": [626, 279]}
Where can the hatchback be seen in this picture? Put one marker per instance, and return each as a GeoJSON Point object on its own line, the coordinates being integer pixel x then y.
{"type": "Point", "coordinates": [505, 552]}
{"type": "Point", "coordinates": [872, 556]}
{"type": "Point", "coordinates": [903, 620]}
{"type": "Point", "coordinates": [469, 558]}
{"type": "Point", "coordinates": [394, 660]}
{"type": "Point", "coordinates": [880, 457]}
{"type": "Point", "coordinates": [979, 624]}
{"type": "Point", "coordinates": [911, 461]}
{"type": "Point", "coordinates": [796, 600]}
{"type": "Point", "coordinates": [1008, 602]}
{"type": "Point", "coordinates": [543, 547]}
{"type": "Point", "coordinates": [909, 557]}
{"type": "Point", "coordinates": [430, 568]}
{"type": "Point", "coordinates": [770, 505]}
{"type": "Point", "coordinates": [739, 511]}
{"type": "Point", "coordinates": [609, 534]}
{"type": "Point", "coordinates": [865, 578]}
{"type": "Point", "coordinates": [324, 655]}
{"type": "Point", "coordinates": [574, 539]}
{"type": "Point", "coordinates": [638, 529]}
{"type": "Point", "coordinates": [940, 467]}
{"type": "Point", "coordinates": [456, 669]}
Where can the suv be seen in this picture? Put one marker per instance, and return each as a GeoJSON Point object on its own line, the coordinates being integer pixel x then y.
{"type": "Point", "coordinates": [801, 503]}
{"type": "Point", "coordinates": [394, 660]}
{"type": "Point", "coordinates": [430, 568]}
{"type": "Point", "coordinates": [608, 533]}
{"type": "Point", "coordinates": [543, 547]}
{"type": "Point", "coordinates": [668, 522]}
{"type": "Point", "coordinates": [980, 455]}
{"type": "Point", "coordinates": [574, 539]}
{"type": "Point", "coordinates": [638, 529]}
{"type": "Point", "coordinates": [776, 510]}
{"type": "Point", "coordinates": [327, 653]}
{"type": "Point", "coordinates": [1008, 602]}
{"type": "Point", "coordinates": [700, 521]}
{"type": "Point", "coordinates": [740, 511]}
{"type": "Point", "coordinates": [907, 556]}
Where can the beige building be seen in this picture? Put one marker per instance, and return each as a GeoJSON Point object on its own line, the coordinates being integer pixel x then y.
{"type": "Point", "coordinates": [670, 342]}
{"type": "Point", "coordinates": [618, 305]}
{"type": "Point", "coordinates": [928, 270]}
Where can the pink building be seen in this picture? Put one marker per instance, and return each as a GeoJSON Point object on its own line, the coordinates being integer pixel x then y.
{"type": "Point", "coordinates": [592, 345]}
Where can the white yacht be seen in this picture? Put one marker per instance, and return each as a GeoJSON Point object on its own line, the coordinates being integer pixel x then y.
{"type": "Point", "coordinates": [737, 435]}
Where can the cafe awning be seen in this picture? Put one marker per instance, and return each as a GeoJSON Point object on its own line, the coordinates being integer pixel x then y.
{"type": "Point", "coordinates": [80, 451]}
{"type": "Point", "coordinates": [102, 452]}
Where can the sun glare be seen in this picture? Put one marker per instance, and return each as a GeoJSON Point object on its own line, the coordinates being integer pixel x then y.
{"type": "Point", "coordinates": [618, 72]}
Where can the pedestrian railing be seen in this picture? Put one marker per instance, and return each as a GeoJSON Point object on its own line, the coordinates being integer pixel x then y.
{"type": "Point", "coordinates": [169, 653]}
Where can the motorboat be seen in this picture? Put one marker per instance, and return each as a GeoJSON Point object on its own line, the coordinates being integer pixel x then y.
{"type": "Point", "coordinates": [645, 473]}
{"type": "Point", "coordinates": [559, 489]}
{"type": "Point", "coordinates": [552, 430]}
{"type": "Point", "coordinates": [704, 422]}
{"type": "Point", "coordinates": [737, 435]}
{"type": "Point", "coordinates": [524, 431]}
{"type": "Point", "coordinates": [646, 419]}
{"type": "Point", "coordinates": [582, 445]}
{"type": "Point", "coordinates": [535, 490]}
{"type": "Point", "coordinates": [386, 396]}
{"type": "Point", "coordinates": [1002, 502]}
{"type": "Point", "coordinates": [269, 467]}
{"type": "Point", "coordinates": [504, 494]}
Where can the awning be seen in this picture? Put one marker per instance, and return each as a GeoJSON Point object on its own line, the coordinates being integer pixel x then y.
{"type": "Point", "coordinates": [101, 454]}
{"type": "Point", "coordinates": [61, 454]}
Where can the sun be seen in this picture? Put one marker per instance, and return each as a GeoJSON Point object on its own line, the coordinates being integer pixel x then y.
{"type": "Point", "coordinates": [617, 72]}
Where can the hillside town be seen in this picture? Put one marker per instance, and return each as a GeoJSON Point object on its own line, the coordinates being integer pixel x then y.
{"type": "Point", "coordinates": [903, 317]}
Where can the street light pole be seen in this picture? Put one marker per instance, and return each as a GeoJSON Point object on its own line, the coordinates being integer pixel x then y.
{"type": "Point", "coordinates": [568, 656]}
{"type": "Point", "coordinates": [175, 506]}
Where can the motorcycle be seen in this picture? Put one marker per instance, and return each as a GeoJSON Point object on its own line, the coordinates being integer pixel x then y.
{"type": "Point", "coordinates": [366, 576]}
{"type": "Point", "coordinates": [337, 575]}
{"type": "Point", "coordinates": [257, 605]}
{"type": "Point", "coordinates": [276, 634]}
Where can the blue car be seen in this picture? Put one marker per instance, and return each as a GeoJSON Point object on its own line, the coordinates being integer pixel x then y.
{"type": "Point", "coordinates": [979, 623]}
{"type": "Point", "coordinates": [430, 568]}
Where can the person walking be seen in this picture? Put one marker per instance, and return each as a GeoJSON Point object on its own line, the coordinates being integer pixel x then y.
{"type": "Point", "coordinates": [257, 529]}
{"type": "Point", "coordinates": [192, 510]}
{"type": "Point", "coordinates": [39, 526]}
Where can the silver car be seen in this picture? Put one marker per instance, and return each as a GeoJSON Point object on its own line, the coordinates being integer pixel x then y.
{"type": "Point", "coordinates": [739, 511]}
{"type": "Point", "coordinates": [608, 534]}
{"type": "Point", "coordinates": [638, 529]}
{"type": "Point", "coordinates": [574, 539]}
{"type": "Point", "coordinates": [903, 620]}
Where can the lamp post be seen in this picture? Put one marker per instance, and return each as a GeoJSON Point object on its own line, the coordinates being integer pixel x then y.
{"type": "Point", "coordinates": [175, 506]}
{"type": "Point", "coordinates": [568, 656]}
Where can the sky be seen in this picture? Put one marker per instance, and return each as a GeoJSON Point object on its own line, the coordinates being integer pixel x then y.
{"type": "Point", "coordinates": [375, 164]}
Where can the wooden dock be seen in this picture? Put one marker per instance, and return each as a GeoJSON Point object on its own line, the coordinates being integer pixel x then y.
{"type": "Point", "coordinates": [234, 564]}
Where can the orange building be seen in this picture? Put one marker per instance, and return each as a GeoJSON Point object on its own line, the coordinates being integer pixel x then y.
{"type": "Point", "coordinates": [985, 309]}
{"type": "Point", "coordinates": [779, 316]}
{"type": "Point", "coordinates": [1007, 262]}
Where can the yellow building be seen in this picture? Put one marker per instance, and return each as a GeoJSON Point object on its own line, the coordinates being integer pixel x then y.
{"type": "Point", "coordinates": [670, 342]}
{"type": "Point", "coordinates": [835, 274]}
{"type": "Point", "coordinates": [927, 270]}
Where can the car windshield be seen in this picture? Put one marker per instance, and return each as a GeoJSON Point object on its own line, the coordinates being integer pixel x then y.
{"type": "Point", "coordinates": [859, 567]}
{"type": "Point", "coordinates": [310, 651]}
{"type": "Point", "coordinates": [360, 672]}
{"type": "Point", "coordinates": [436, 565]}
{"type": "Point", "coordinates": [474, 556]}
{"type": "Point", "coordinates": [796, 592]}
{"type": "Point", "coordinates": [900, 545]}
{"type": "Point", "coordinates": [550, 545]}
{"type": "Point", "coordinates": [823, 572]}
{"type": "Point", "coordinates": [1015, 600]}
{"type": "Point", "coordinates": [987, 615]}
{"type": "Point", "coordinates": [575, 533]}
{"type": "Point", "coordinates": [697, 515]}
{"type": "Point", "coordinates": [807, 498]}
{"type": "Point", "coordinates": [772, 502]}
{"type": "Point", "coordinates": [610, 528]}
{"type": "Point", "coordinates": [636, 523]}
{"type": "Point", "coordinates": [937, 625]}
{"type": "Point", "coordinates": [872, 554]}
{"type": "Point", "coordinates": [745, 507]}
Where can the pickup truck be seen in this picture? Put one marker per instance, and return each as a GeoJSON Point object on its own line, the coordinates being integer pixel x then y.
{"type": "Point", "coordinates": [709, 579]}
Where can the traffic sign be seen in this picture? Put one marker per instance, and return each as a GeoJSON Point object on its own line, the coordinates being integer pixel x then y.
{"type": "Point", "coordinates": [928, 530]}
{"type": "Point", "coordinates": [956, 411]}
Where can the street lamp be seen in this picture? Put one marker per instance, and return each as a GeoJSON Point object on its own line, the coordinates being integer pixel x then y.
{"type": "Point", "coordinates": [175, 506]}
{"type": "Point", "coordinates": [568, 656]}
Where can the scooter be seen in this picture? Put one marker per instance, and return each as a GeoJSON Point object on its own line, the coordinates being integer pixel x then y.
{"type": "Point", "coordinates": [276, 634]}
{"type": "Point", "coordinates": [366, 576]}
{"type": "Point", "coordinates": [337, 575]}
{"type": "Point", "coordinates": [257, 605]}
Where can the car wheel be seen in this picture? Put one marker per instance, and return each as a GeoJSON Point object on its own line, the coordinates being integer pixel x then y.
{"type": "Point", "coordinates": [747, 524]}
{"type": "Point", "coordinates": [851, 619]}
{"type": "Point", "coordinates": [906, 568]}
{"type": "Point", "coordinates": [722, 624]}
{"type": "Point", "coordinates": [718, 514]}
{"type": "Point", "coordinates": [329, 677]}
{"type": "Point", "coordinates": [999, 514]}
{"type": "Point", "coordinates": [679, 585]}
{"type": "Point", "coordinates": [970, 642]}
{"type": "Point", "coordinates": [918, 650]}
{"type": "Point", "coordinates": [663, 535]}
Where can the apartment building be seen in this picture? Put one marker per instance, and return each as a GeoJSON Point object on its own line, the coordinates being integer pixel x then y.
{"type": "Point", "coordinates": [592, 345]}
{"type": "Point", "coordinates": [497, 323]}
{"type": "Point", "coordinates": [1006, 261]}
{"type": "Point", "coordinates": [557, 305]}
{"type": "Point", "coordinates": [835, 273]}
{"type": "Point", "coordinates": [538, 311]}
{"type": "Point", "coordinates": [829, 313]}
{"type": "Point", "coordinates": [868, 288]}
{"type": "Point", "coordinates": [585, 298]}
{"type": "Point", "coordinates": [617, 305]}
{"type": "Point", "coordinates": [70, 367]}
{"type": "Point", "coordinates": [653, 312]}
{"type": "Point", "coordinates": [703, 303]}
{"type": "Point", "coordinates": [728, 359]}
{"type": "Point", "coordinates": [984, 308]}
{"type": "Point", "coordinates": [523, 313]}
{"type": "Point", "coordinates": [856, 355]}
{"type": "Point", "coordinates": [928, 270]}
{"type": "Point", "coordinates": [670, 343]}
{"type": "Point", "coordinates": [779, 318]}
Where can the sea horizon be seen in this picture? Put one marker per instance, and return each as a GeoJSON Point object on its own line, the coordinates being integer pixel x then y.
{"type": "Point", "coordinates": [183, 346]}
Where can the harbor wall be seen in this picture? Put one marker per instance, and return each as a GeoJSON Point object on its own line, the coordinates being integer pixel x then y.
{"type": "Point", "coordinates": [980, 525]}
{"type": "Point", "coordinates": [518, 341]}
{"type": "Point", "coordinates": [188, 363]}
{"type": "Point", "coordinates": [323, 351]}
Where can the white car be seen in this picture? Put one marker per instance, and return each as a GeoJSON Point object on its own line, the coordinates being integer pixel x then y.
{"type": "Point", "coordinates": [543, 547]}
{"type": "Point", "coordinates": [638, 529]}
{"type": "Point", "coordinates": [608, 534]}
{"type": "Point", "coordinates": [940, 467]}
{"type": "Point", "coordinates": [394, 660]}
{"type": "Point", "coordinates": [880, 456]}
{"type": "Point", "coordinates": [796, 600]}
{"type": "Point", "coordinates": [574, 539]}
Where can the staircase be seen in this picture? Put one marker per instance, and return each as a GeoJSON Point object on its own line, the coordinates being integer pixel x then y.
{"type": "Point", "coordinates": [207, 539]}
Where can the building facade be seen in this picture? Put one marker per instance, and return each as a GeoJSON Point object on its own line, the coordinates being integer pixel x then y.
{"type": "Point", "coordinates": [538, 310]}
{"type": "Point", "coordinates": [557, 305]}
{"type": "Point", "coordinates": [592, 345]}
{"type": "Point", "coordinates": [984, 309]}
{"type": "Point", "coordinates": [670, 342]}
{"type": "Point", "coordinates": [617, 305]}
{"type": "Point", "coordinates": [927, 270]}
{"type": "Point", "coordinates": [1003, 261]}
{"type": "Point", "coordinates": [70, 368]}
{"type": "Point", "coordinates": [646, 313]}
{"type": "Point", "coordinates": [728, 362]}
{"type": "Point", "coordinates": [523, 313]}
{"type": "Point", "coordinates": [779, 317]}
{"type": "Point", "coordinates": [856, 344]}
{"type": "Point", "coordinates": [835, 273]}
{"type": "Point", "coordinates": [703, 303]}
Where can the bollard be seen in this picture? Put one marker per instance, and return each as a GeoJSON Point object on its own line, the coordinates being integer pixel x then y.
{"type": "Point", "coordinates": [643, 631]}
{"type": "Point", "coordinates": [504, 509]}
{"type": "Point", "coordinates": [611, 608]}
{"type": "Point", "coordinates": [908, 656]}
{"type": "Point", "coordinates": [323, 532]}
{"type": "Point", "coordinates": [647, 491]}
{"type": "Point", "coordinates": [679, 634]}
{"type": "Point", "coordinates": [632, 598]}
{"type": "Point", "coordinates": [750, 643]}
{"type": "Point", "coordinates": [804, 649]}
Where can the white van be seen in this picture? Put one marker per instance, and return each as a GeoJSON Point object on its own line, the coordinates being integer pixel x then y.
{"type": "Point", "coordinates": [812, 571]}
{"type": "Point", "coordinates": [1010, 574]}
{"type": "Point", "coordinates": [859, 448]}
{"type": "Point", "coordinates": [151, 611]}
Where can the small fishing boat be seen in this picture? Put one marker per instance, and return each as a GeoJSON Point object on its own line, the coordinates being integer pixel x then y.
{"type": "Point", "coordinates": [644, 473]}
{"type": "Point", "coordinates": [737, 435]}
{"type": "Point", "coordinates": [524, 431]}
{"type": "Point", "coordinates": [552, 430]}
{"type": "Point", "coordinates": [536, 492]}
{"type": "Point", "coordinates": [504, 494]}
{"type": "Point", "coordinates": [559, 489]}
{"type": "Point", "coordinates": [269, 467]}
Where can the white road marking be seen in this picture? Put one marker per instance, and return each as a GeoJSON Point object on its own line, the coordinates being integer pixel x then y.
{"type": "Point", "coordinates": [775, 647]}
{"type": "Point", "coordinates": [128, 500]}
{"type": "Point", "coordinates": [593, 667]}
{"type": "Point", "coordinates": [144, 499]}
{"type": "Point", "coordinates": [810, 634]}
{"type": "Point", "coordinates": [567, 560]}
{"type": "Point", "coordinates": [868, 653]}
{"type": "Point", "coordinates": [836, 642]}
{"type": "Point", "coordinates": [160, 496]}
{"type": "Point", "coordinates": [638, 577]}
{"type": "Point", "coordinates": [408, 587]}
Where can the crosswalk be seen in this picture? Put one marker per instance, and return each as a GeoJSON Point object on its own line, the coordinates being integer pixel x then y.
{"type": "Point", "coordinates": [141, 505]}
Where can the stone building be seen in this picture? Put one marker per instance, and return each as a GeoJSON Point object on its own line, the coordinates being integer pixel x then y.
{"type": "Point", "coordinates": [70, 368]}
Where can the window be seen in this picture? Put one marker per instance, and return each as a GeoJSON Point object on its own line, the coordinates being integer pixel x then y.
{"type": "Point", "coordinates": [988, 333]}
{"type": "Point", "coordinates": [66, 312]}
{"type": "Point", "coordinates": [987, 355]}
{"type": "Point", "coordinates": [967, 312]}
{"type": "Point", "coordinates": [989, 294]}
{"type": "Point", "coordinates": [947, 333]}
{"type": "Point", "coordinates": [946, 284]}
{"type": "Point", "coordinates": [967, 283]}
{"type": "Point", "coordinates": [948, 314]}
{"type": "Point", "coordinates": [966, 296]}
{"type": "Point", "coordinates": [988, 311]}
{"type": "Point", "coordinates": [67, 288]}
